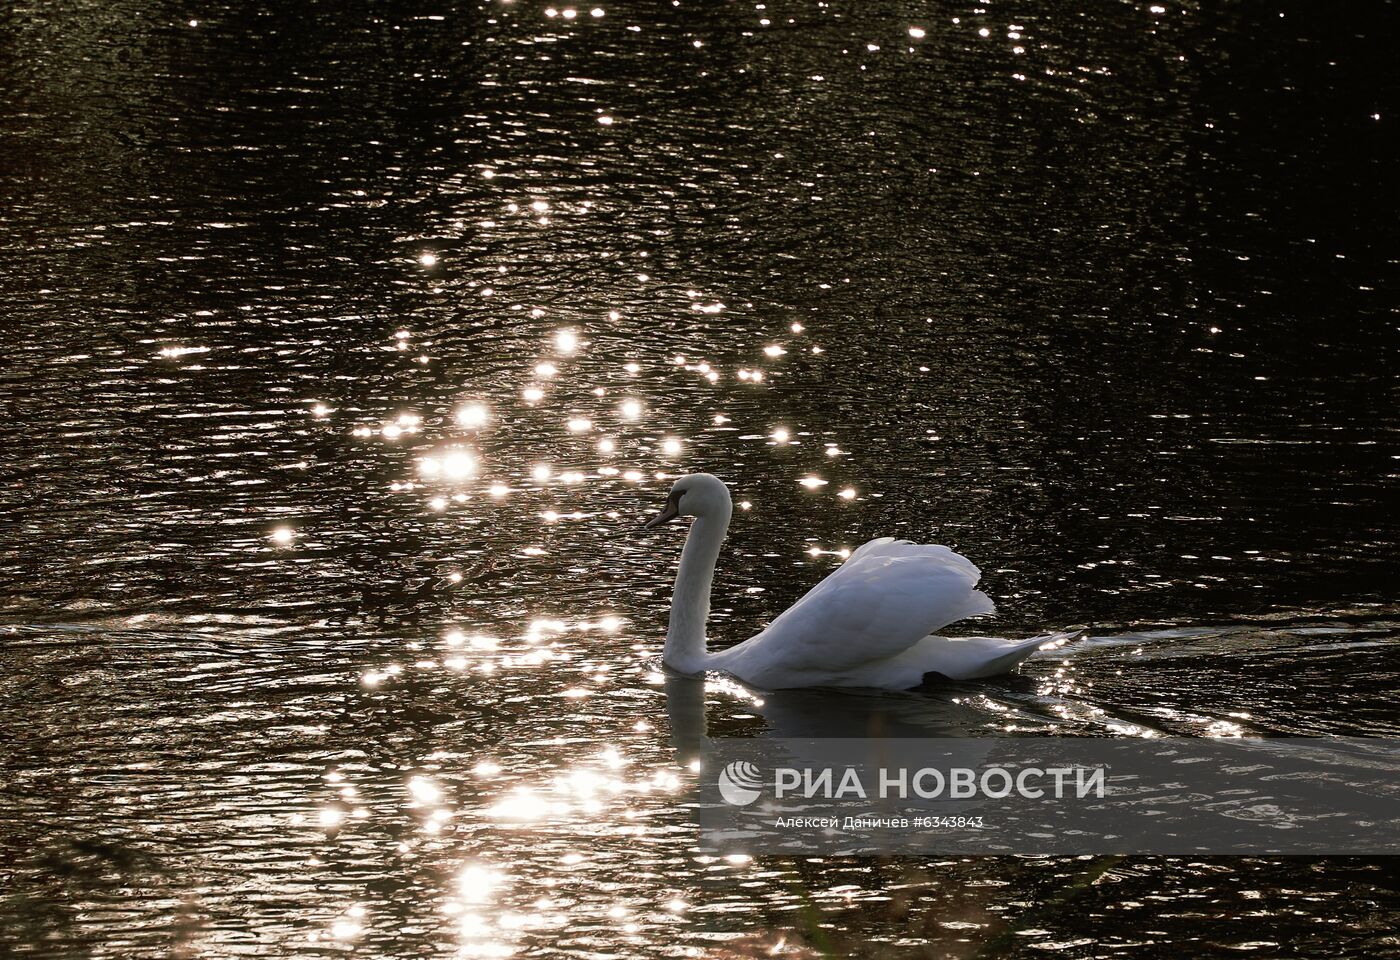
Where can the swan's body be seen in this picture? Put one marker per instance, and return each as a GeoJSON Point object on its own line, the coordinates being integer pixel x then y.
{"type": "Point", "coordinates": [869, 624]}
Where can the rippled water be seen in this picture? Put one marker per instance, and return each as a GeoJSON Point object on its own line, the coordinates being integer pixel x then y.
{"type": "Point", "coordinates": [350, 342]}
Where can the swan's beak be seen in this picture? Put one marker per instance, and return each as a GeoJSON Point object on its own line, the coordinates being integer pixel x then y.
{"type": "Point", "coordinates": [671, 511]}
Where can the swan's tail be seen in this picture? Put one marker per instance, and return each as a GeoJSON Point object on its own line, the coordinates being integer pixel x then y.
{"type": "Point", "coordinates": [1011, 654]}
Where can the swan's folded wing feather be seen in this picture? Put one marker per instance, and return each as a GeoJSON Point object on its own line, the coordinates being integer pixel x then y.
{"type": "Point", "coordinates": [890, 547]}
{"type": "Point", "coordinates": [887, 597]}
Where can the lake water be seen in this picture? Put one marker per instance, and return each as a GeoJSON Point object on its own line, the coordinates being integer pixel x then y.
{"type": "Point", "coordinates": [349, 344]}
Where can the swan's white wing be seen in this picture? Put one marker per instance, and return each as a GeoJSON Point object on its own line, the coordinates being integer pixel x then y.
{"type": "Point", "coordinates": [887, 597]}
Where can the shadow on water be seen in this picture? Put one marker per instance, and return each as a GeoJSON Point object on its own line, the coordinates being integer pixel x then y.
{"type": "Point", "coordinates": [820, 713]}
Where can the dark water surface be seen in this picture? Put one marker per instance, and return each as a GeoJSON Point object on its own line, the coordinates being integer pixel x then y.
{"type": "Point", "coordinates": [1104, 298]}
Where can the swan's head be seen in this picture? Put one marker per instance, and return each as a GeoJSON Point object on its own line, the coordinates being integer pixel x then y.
{"type": "Point", "coordinates": [696, 495]}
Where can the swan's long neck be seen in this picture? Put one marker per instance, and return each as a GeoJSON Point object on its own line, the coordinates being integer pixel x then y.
{"type": "Point", "coordinates": [690, 603]}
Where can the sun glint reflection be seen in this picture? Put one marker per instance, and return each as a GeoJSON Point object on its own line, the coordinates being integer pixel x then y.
{"type": "Point", "coordinates": [473, 416]}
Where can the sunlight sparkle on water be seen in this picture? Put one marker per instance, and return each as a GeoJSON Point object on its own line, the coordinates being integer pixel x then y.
{"type": "Point", "coordinates": [476, 884]}
{"type": "Point", "coordinates": [283, 536]}
{"type": "Point", "coordinates": [453, 464]}
{"type": "Point", "coordinates": [346, 929]}
{"type": "Point", "coordinates": [519, 805]}
{"type": "Point", "coordinates": [424, 790]}
{"type": "Point", "coordinates": [428, 259]}
{"type": "Point", "coordinates": [812, 483]}
{"type": "Point", "coordinates": [473, 416]}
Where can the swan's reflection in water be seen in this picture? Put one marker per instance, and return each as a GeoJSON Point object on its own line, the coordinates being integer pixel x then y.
{"type": "Point", "coordinates": [815, 713]}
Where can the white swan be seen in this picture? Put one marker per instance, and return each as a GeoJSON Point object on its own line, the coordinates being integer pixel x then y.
{"type": "Point", "coordinates": [869, 624]}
